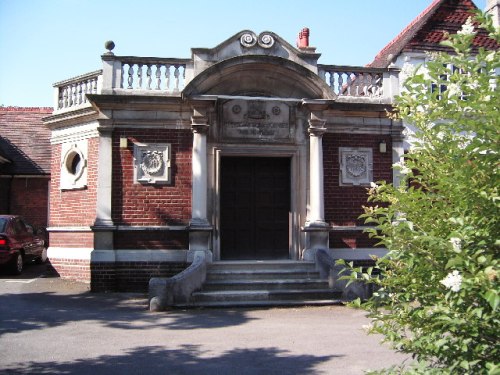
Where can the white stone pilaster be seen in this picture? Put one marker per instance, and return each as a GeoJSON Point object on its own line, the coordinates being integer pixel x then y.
{"type": "Point", "coordinates": [200, 177]}
{"type": "Point", "coordinates": [103, 225]}
{"type": "Point", "coordinates": [200, 230]}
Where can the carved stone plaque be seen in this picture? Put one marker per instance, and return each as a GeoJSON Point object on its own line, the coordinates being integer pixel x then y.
{"type": "Point", "coordinates": [256, 120]}
{"type": "Point", "coordinates": [152, 163]}
{"type": "Point", "coordinates": [356, 166]}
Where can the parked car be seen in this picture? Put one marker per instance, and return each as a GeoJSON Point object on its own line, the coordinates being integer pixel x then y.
{"type": "Point", "coordinates": [20, 243]}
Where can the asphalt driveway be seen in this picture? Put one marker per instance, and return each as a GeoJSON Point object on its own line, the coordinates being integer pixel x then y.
{"type": "Point", "coordinates": [53, 326]}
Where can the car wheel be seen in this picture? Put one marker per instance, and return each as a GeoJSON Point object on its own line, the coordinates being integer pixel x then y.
{"type": "Point", "coordinates": [18, 264]}
{"type": "Point", "coordinates": [43, 257]}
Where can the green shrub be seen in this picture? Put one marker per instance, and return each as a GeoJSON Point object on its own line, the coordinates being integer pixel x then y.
{"type": "Point", "coordinates": [438, 293]}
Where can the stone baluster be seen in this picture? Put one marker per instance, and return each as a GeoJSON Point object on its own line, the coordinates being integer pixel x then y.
{"type": "Point", "coordinates": [167, 77]}
{"type": "Point", "coordinates": [332, 81]}
{"type": "Point", "coordinates": [86, 85]}
{"type": "Point", "coordinates": [79, 97]}
{"type": "Point", "coordinates": [176, 76]}
{"type": "Point", "coordinates": [65, 97]}
{"type": "Point", "coordinates": [340, 83]}
{"type": "Point", "coordinates": [158, 76]}
{"type": "Point", "coordinates": [71, 98]}
{"type": "Point", "coordinates": [148, 74]}
{"type": "Point", "coordinates": [349, 84]}
{"type": "Point", "coordinates": [358, 84]}
{"type": "Point", "coordinates": [130, 76]}
{"type": "Point", "coordinates": [139, 76]}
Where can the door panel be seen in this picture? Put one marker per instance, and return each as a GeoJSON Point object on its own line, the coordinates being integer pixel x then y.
{"type": "Point", "coordinates": [255, 206]}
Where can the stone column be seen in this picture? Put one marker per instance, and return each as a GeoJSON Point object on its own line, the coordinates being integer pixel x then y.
{"type": "Point", "coordinates": [200, 229]}
{"type": "Point", "coordinates": [316, 184]}
{"type": "Point", "coordinates": [317, 230]}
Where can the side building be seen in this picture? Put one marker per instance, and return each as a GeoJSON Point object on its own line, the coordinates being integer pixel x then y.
{"type": "Point", "coordinates": [25, 156]}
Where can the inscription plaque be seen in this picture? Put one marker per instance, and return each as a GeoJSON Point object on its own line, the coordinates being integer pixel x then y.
{"type": "Point", "coordinates": [256, 120]}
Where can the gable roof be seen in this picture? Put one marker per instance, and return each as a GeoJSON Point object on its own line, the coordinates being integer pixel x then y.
{"type": "Point", "coordinates": [24, 141]}
{"type": "Point", "coordinates": [426, 31]}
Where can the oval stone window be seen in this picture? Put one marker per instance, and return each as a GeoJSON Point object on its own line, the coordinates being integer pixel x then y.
{"type": "Point", "coordinates": [74, 163]}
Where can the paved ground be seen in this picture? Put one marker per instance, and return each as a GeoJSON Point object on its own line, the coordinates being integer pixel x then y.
{"type": "Point", "coordinates": [52, 326]}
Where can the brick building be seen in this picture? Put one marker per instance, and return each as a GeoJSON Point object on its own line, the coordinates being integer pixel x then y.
{"type": "Point", "coordinates": [250, 150]}
{"type": "Point", "coordinates": [25, 163]}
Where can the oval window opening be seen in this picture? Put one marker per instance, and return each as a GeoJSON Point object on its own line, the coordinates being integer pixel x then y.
{"type": "Point", "coordinates": [76, 164]}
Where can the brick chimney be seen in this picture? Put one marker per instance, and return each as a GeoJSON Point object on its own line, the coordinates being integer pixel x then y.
{"type": "Point", "coordinates": [303, 39]}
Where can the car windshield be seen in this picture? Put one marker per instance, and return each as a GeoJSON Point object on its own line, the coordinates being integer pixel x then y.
{"type": "Point", "coordinates": [3, 222]}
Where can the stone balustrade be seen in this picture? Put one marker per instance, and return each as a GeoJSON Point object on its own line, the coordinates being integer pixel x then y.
{"type": "Point", "coordinates": [360, 82]}
{"type": "Point", "coordinates": [153, 74]}
{"type": "Point", "coordinates": [150, 75]}
{"type": "Point", "coordinates": [71, 93]}
{"type": "Point", "coordinates": [127, 74]}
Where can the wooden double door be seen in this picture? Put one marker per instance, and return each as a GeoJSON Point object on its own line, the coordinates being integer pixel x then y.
{"type": "Point", "coordinates": [254, 208]}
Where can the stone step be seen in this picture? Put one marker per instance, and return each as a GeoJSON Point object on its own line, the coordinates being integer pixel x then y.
{"type": "Point", "coordinates": [238, 296]}
{"type": "Point", "coordinates": [277, 274]}
{"type": "Point", "coordinates": [262, 266]}
{"type": "Point", "coordinates": [262, 303]}
{"type": "Point", "coordinates": [264, 284]}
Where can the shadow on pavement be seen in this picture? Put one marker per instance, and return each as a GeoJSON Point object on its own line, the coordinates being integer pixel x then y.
{"type": "Point", "coordinates": [188, 359]}
{"type": "Point", "coordinates": [40, 310]}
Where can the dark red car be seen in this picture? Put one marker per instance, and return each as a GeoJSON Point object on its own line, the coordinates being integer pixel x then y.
{"type": "Point", "coordinates": [19, 243]}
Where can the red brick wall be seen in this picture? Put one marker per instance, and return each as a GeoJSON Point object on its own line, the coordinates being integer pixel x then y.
{"type": "Point", "coordinates": [71, 269]}
{"type": "Point", "coordinates": [130, 276]}
{"type": "Point", "coordinates": [74, 207]}
{"type": "Point", "coordinates": [142, 204]}
{"type": "Point", "coordinates": [72, 239]}
{"type": "Point", "coordinates": [27, 197]}
{"type": "Point", "coordinates": [172, 240]}
{"type": "Point", "coordinates": [343, 204]}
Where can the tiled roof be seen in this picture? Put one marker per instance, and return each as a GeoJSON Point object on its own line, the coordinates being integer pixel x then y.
{"type": "Point", "coordinates": [426, 31]}
{"type": "Point", "coordinates": [24, 141]}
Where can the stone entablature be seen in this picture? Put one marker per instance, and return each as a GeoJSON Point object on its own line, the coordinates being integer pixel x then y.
{"type": "Point", "coordinates": [257, 120]}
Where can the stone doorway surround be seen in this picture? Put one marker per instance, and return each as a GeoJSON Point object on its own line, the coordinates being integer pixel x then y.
{"type": "Point", "coordinates": [297, 189]}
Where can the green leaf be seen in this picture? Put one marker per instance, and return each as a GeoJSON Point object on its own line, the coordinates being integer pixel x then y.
{"type": "Point", "coordinates": [492, 297]}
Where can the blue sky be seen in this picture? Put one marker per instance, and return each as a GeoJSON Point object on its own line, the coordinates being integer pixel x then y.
{"type": "Point", "coordinates": [46, 41]}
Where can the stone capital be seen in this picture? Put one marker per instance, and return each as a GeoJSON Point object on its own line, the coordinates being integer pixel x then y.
{"type": "Point", "coordinates": [316, 130]}
{"type": "Point", "coordinates": [199, 127]}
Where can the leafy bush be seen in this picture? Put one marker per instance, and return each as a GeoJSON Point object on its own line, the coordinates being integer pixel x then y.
{"type": "Point", "coordinates": [438, 293]}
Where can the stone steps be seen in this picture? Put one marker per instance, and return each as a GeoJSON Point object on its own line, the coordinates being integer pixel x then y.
{"type": "Point", "coordinates": [263, 283]}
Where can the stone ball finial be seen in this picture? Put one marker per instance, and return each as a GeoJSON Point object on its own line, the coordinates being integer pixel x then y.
{"type": "Point", "coordinates": [109, 45]}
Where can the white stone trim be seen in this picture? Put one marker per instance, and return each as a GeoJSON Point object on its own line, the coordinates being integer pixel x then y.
{"type": "Point", "coordinates": [69, 253]}
{"type": "Point", "coordinates": [70, 179]}
{"type": "Point", "coordinates": [75, 133]}
{"type": "Point", "coordinates": [117, 255]}
{"type": "Point", "coordinates": [69, 229]}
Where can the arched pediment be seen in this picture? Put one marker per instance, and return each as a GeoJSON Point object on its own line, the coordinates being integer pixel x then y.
{"type": "Point", "coordinates": [259, 75]}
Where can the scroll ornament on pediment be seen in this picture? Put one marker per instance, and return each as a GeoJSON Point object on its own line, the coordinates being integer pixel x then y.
{"type": "Point", "coordinates": [264, 40]}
